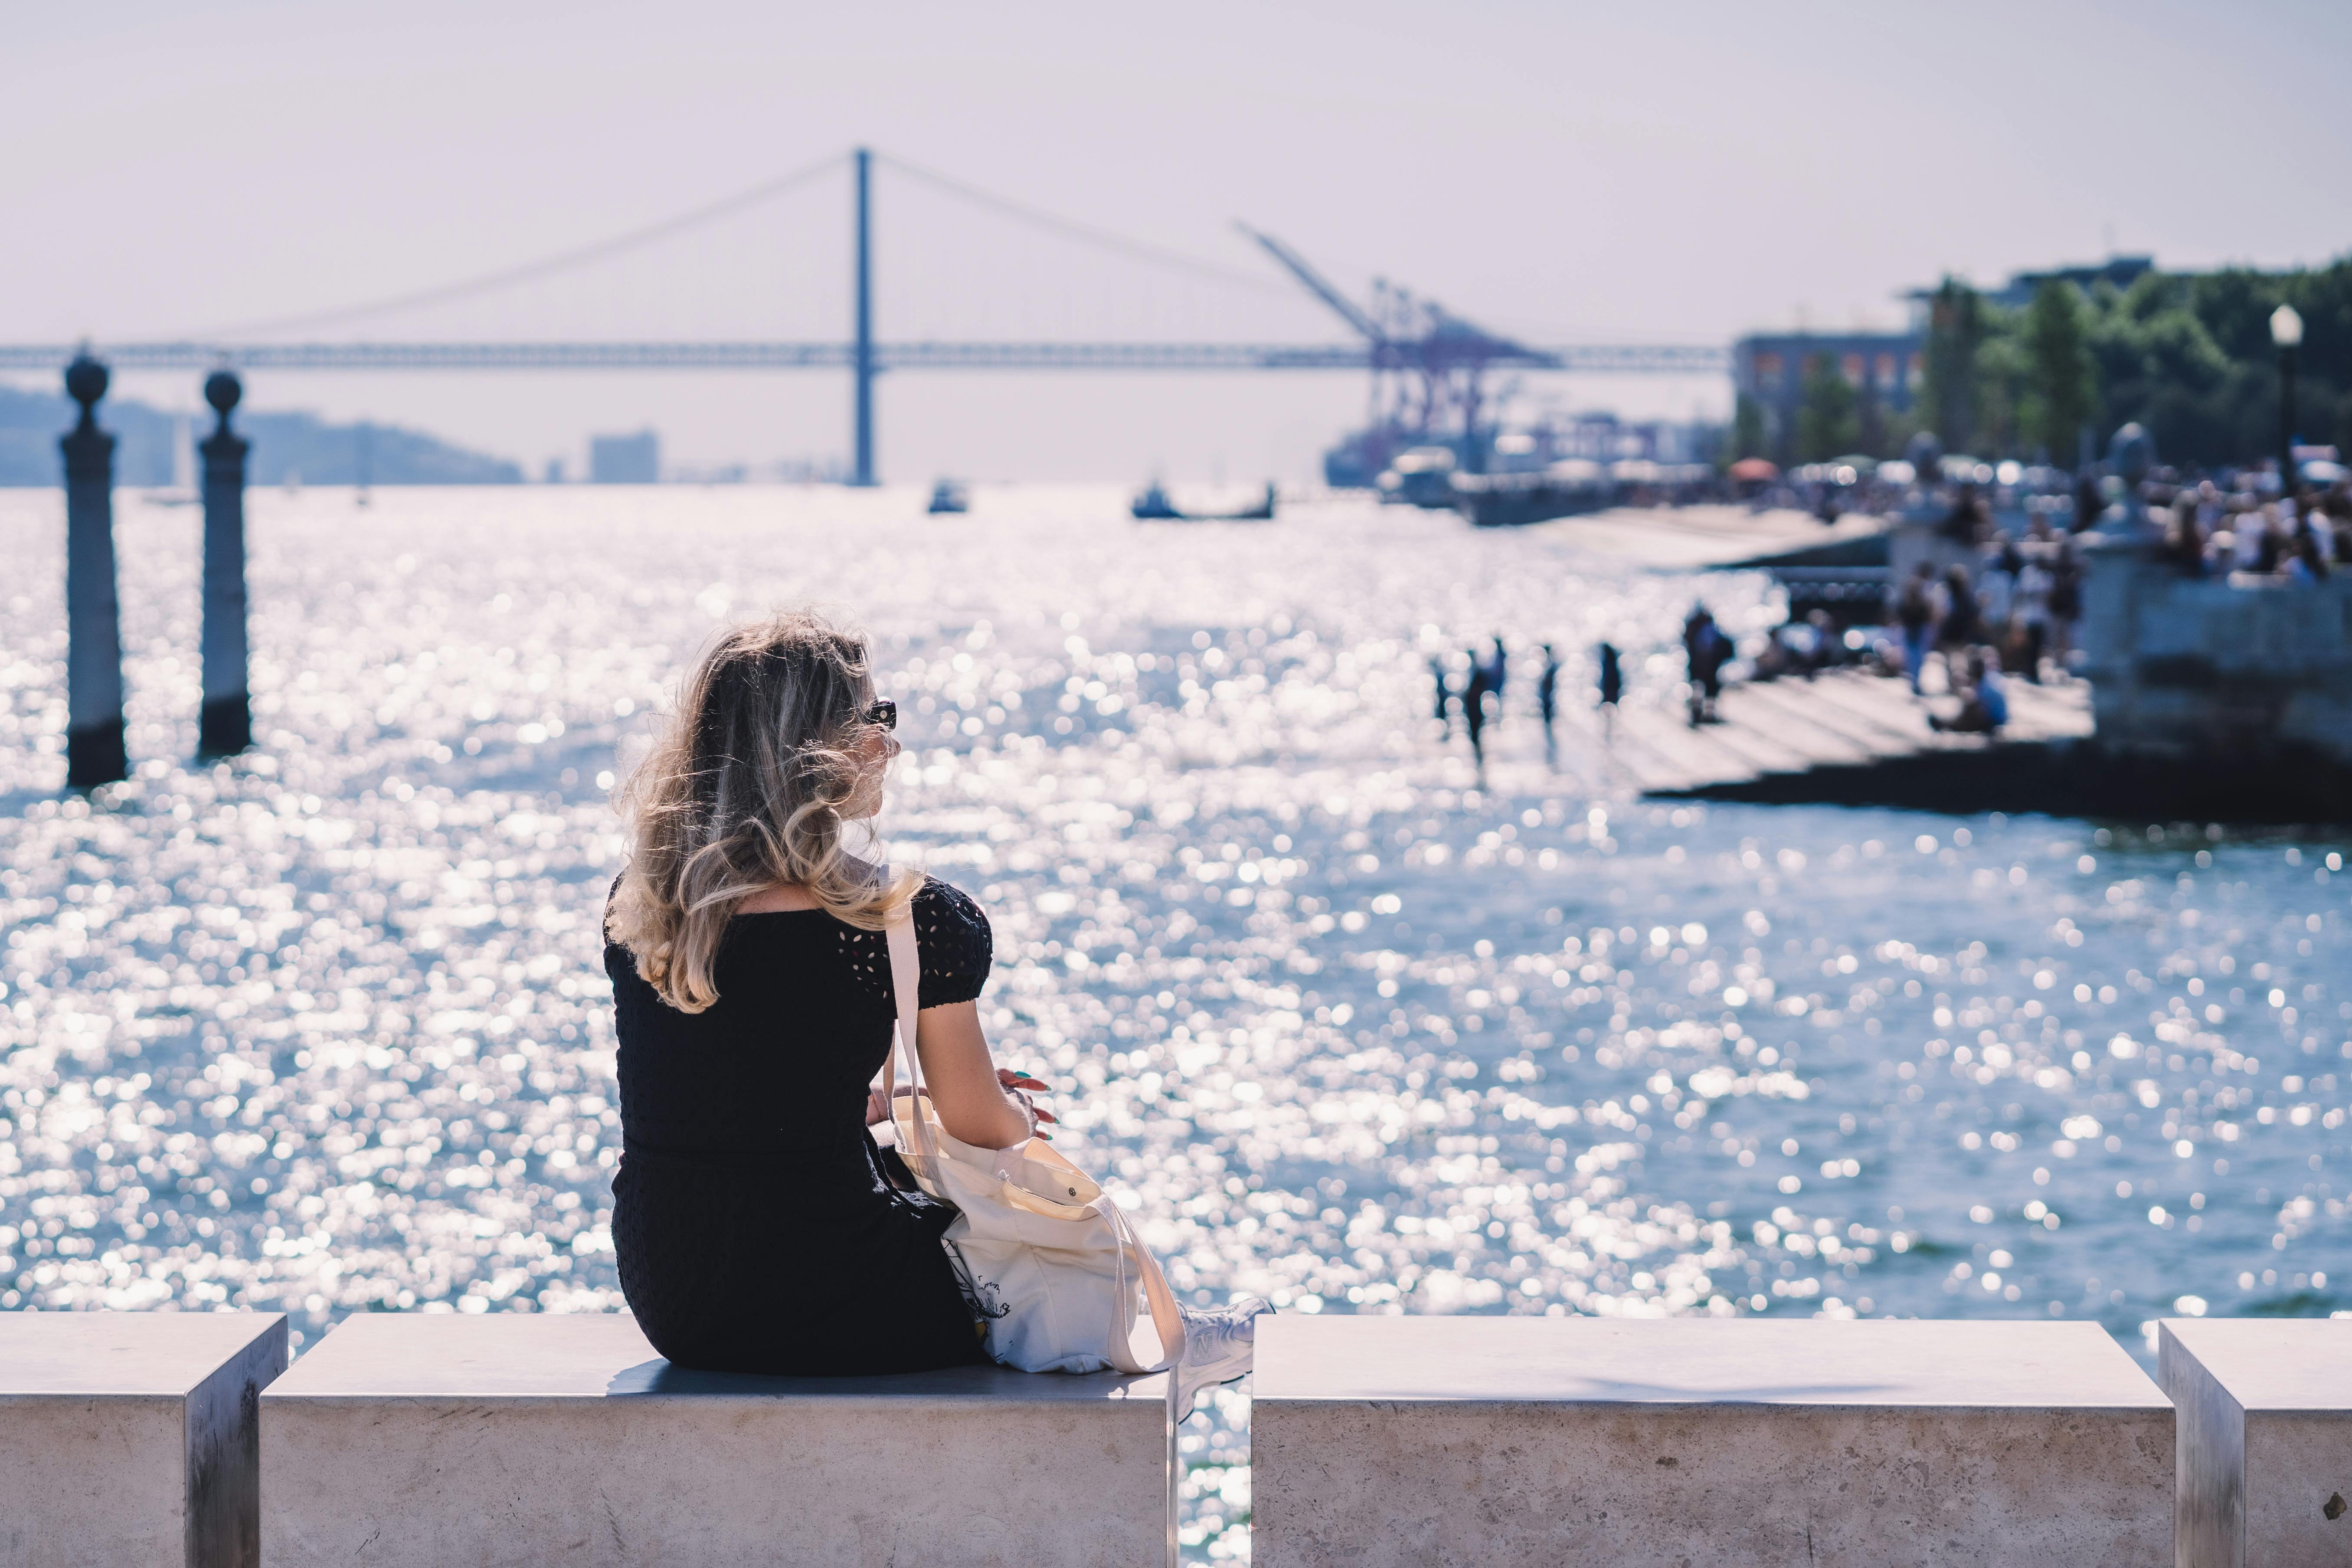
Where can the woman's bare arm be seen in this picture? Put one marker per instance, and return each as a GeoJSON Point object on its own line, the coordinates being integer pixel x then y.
{"type": "Point", "coordinates": [963, 1081]}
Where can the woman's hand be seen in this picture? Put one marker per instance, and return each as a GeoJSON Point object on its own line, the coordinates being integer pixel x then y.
{"type": "Point", "coordinates": [875, 1112]}
{"type": "Point", "coordinates": [1017, 1083]}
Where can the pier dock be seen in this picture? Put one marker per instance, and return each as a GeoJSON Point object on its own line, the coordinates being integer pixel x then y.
{"type": "Point", "coordinates": [1705, 536]}
{"type": "Point", "coordinates": [1814, 736]}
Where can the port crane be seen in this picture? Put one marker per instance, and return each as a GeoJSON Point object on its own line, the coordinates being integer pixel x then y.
{"type": "Point", "coordinates": [1429, 367]}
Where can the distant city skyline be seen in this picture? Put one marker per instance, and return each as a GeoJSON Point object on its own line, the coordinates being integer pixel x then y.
{"type": "Point", "coordinates": [1602, 177]}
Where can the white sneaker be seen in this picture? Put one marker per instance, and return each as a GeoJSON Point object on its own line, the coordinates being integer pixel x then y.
{"type": "Point", "coordinates": [1219, 1342]}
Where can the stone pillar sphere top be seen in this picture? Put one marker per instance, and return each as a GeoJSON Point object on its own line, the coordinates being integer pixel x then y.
{"type": "Point", "coordinates": [85, 382]}
{"type": "Point", "coordinates": [2132, 454]}
{"type": "Point", "coordinates": [222, 390]}
{"type": "Point", "coordinates": [1925, 455]}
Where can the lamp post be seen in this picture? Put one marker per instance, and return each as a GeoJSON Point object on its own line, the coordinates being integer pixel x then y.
{"type": "Point", "coordinates": [2286, 332]}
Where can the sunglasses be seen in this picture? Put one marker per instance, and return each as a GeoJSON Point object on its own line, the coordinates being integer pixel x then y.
{"type": "Point", "coordinates": [885, 713]}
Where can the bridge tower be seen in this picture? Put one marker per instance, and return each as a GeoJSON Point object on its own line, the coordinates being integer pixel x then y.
{"type": "Point", "coordinates": [864, 363]}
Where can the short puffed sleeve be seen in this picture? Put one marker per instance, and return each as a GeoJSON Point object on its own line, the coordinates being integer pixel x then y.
{"type": "Point", "coordinates": [956, 943]}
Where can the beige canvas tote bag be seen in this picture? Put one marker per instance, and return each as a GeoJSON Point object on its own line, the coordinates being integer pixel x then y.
{"type": "Point", "coordinates": [1067, 1285]}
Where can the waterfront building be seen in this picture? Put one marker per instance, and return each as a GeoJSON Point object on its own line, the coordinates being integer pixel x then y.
{"type": "Point", "coordinates": [1884, 368]}
{"type": "Point", "coordinates": [624, 460]}
{"type": "Point", "coordinates": [2118, 271]}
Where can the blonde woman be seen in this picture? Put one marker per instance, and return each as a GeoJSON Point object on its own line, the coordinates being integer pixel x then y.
{"type": "Point", "coordinates": [758, 1227]}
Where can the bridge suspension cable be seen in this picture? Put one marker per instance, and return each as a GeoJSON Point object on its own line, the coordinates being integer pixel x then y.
{"type": "Point", "coordinates": [545, 266]}
{"type": "Point", "coordinates": [1141, 249]}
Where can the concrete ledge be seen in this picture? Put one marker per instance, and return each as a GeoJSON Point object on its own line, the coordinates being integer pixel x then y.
{"type": "Point", "coordinates": [130, 1438]}
{"type": "Point", "coordinates": [522, 1439]}
{"type": "Point", "coordinates": [2264, 1471]}
{"type": "Point", "coordinates": [1690, 1442]}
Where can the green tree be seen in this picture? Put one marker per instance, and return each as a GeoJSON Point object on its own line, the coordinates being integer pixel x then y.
{"type": "Point", "coordinates": [1826, 422]}
{"type": "Point", "coordinates": [2062, 376]}
{"type": "Point", "coordinates": [1957, 328]}
{"type": "Point", "coordinates": [2160, 365]}
{"type": "Point", "coordinates": [2001, 392]}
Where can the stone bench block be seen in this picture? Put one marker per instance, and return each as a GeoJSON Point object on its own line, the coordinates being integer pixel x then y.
{"type": "Point", "coordinates": [2265, 1440]}
{"type": "Point", "coordinates": [1694, 1442]}
{"type": "Point", "coordinates": [129, 1438]}
{"type": "Point", "coordinates": [515, 1440]}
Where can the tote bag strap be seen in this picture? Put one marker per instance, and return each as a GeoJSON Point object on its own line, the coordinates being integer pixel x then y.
{"type": "Point", "coordinates": [1166, 1322]}
{"type": "Point", "coordinates": [906, 981]}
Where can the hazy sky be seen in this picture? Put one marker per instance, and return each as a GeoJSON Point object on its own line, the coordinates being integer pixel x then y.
{"type": "Point", "coordinates": [1676, 173]}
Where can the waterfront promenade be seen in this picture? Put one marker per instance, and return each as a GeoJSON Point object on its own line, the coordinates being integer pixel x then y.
{"type": "Point", "coordinates": [415, 1440]}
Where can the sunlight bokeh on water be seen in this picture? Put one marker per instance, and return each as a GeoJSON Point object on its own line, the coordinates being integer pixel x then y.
{"type": "Point", "coordinates": [324, 1029]}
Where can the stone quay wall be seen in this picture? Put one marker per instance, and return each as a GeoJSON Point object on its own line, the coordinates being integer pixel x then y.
{"type": "Point", "coordinates": [2218, 668]}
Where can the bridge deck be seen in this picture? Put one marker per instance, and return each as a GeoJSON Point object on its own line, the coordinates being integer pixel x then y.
{"type": "Point", "coordinates": [1633, 358]}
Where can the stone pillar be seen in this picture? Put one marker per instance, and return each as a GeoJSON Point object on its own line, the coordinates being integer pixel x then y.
{"type": "Point", "coordinates": [134, 1438]}
{"type": "Point", "coordinates": [2118, 574]}
{"type": "Point", "coordinates": [94, 745]}
{"type": "Point", "coordinates": [2131, 457]}
{"type": "Point", "coordinates": [226, 725]}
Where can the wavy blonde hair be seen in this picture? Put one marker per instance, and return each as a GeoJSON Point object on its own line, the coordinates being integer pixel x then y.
{"type": "Point", "coordinates": [745, 788]}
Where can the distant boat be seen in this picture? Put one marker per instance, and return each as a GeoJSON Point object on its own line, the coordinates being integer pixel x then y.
{"type": "Point", "coordinates": [1567, 488]}
{"type": "Point", "coordinates": [949, 496]}
{"type": "Point", "coordinates": [1153, 506]}
{"type": "Point", "coordinates": [181, 490]}
{"type": "Point", "coordinates": [1422, 476]}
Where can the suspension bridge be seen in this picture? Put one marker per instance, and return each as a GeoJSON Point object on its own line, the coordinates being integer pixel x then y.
{"type": "Point", "coordinates": [1432, 361]}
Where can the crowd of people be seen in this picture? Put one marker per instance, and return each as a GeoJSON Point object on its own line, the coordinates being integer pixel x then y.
{"type": "Point", "coordinates": [2017, 610]}
{"type": "Point", "coordinates": [2213, 532]}
{"type": "Point", "coordinates": [2011, 604]}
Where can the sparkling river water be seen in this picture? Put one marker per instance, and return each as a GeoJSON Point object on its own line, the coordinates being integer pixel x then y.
{"type": "Point", "coordinates": [324, 1029]}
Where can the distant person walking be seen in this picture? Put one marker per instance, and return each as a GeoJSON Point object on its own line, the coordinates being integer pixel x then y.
{"type": "Point", "coordinates": [1707, 650]}
{"type": "Point", "coordinates": [2066, 604]}
{"type": "Point", "coordinates": [1961, 625]}
{"type": "Point", "coordinates": [1915, 613]}
{"type": "Point", "coordinates": [1548, 701]}
{"type": "Point", "coordinates": [1997, 594]}
{"type": "Point", "coordinates": [1498, 672]}
{"type": "Point", "coordinates": [1444, 694]}
{"type": "Point", "coordinates": [1612, 687]}
{"type": "Point", "coordinates": [2090, 504]}
{"type": "Point", "coordinates": [1473, 711]}
{"type": "Point", "coordinates": [2034, 585]}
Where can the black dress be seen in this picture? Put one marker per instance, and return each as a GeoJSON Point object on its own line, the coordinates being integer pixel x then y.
{"type": "Point", "coordinates": [756, 1226]}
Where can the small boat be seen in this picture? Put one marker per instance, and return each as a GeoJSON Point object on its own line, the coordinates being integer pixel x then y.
{"type": "Point", "coordinates": [1421, 475]}
{"type": "Point", "coordinates": [1153, 506]}
{"type": "Point", "coordinates": [1566, 488]}
{"type": "Point", "coordinates": [1261, 512]}
{"type": "Point", "coordinates": [182, 492]}
{"type": "Point", "coordinates": [949, 496]}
